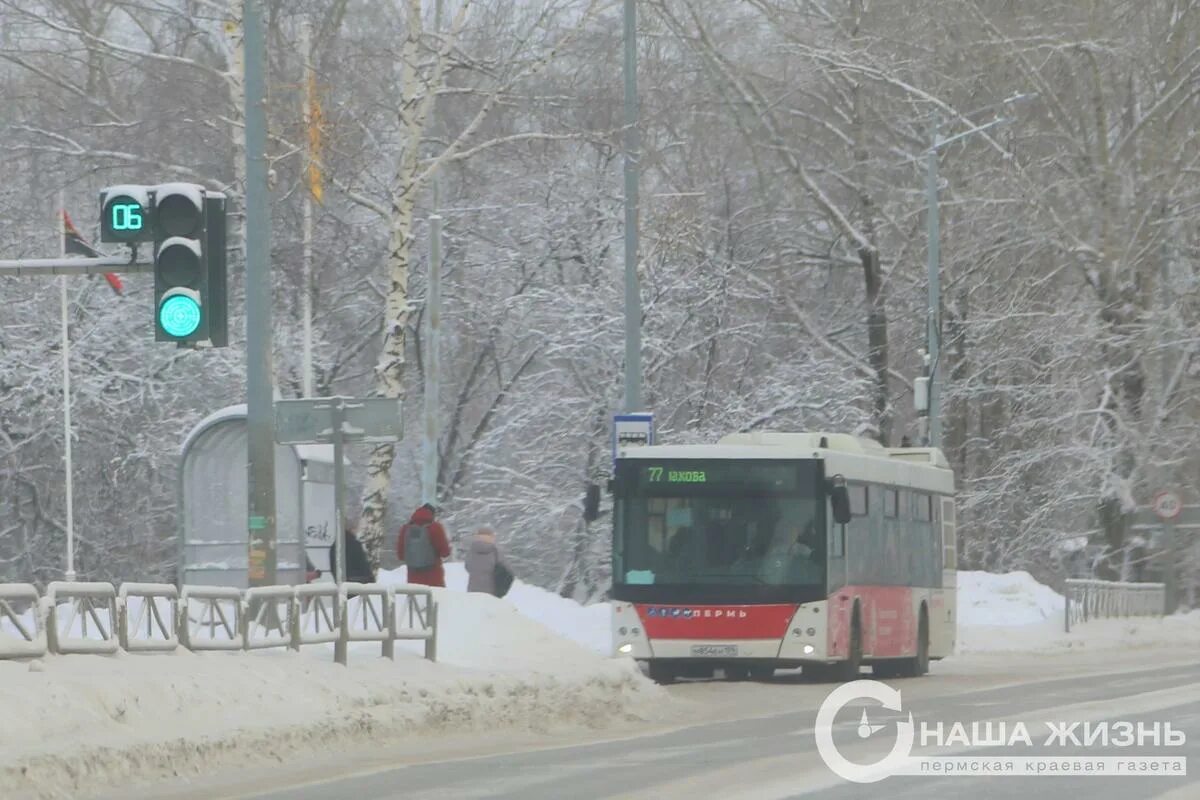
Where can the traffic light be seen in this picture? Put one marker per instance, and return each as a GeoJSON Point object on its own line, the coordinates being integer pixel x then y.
{"type": "Point", "coordinates": [180, 224]}
{"type": "Point", "coordinates": [186, 224]}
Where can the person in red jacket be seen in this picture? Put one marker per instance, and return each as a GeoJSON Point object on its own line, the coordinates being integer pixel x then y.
{"type": "Point", "coordinates": [432, 575]}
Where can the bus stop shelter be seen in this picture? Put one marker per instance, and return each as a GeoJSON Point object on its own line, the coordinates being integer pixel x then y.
{"type": "Point", "coordinates": [213, 506]}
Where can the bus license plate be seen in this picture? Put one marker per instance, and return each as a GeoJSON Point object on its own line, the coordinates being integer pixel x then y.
{"type": "Point", "coordinates": [714, 650]}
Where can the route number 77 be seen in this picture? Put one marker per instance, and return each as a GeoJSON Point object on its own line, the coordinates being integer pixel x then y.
{"type": "Point", "coordinates": [656, 474]}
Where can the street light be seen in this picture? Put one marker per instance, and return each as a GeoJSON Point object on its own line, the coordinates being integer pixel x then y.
{"type": "Point", "coordinates": [933, 327]}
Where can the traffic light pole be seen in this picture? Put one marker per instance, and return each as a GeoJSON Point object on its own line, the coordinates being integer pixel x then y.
{"type": "Point", "coordinates": [26, 267]}
{"type": "Point", "coordinates": [260, 401]}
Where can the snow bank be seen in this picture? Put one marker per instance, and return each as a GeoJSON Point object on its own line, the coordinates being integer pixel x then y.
{"type": "Point", "coordinates": [589, 626]}
{"type": "Point", "coordinates": [1010, 599]}
{"type": "Point", "coordinates": [93, 721]}
{"type": "Point", "coordinates": [1014, 613]}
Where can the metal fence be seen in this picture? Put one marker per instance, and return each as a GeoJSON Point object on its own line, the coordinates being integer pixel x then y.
{"type": "Point", "coordinates": [22, 632]}
{"type": "Point", "coordinates": [156, 610]}
{"type": "Point", "coordinates": [1095, 599]}
{"type": "Point", "coordinates": [210, 618]}
{"type": "Point", "coordinates": [85, 622]}
{"type": "Point", "coordinates": [98, 618]}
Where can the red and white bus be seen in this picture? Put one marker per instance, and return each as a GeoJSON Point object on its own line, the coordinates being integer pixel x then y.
{"type": "Point", "coordinates": [776, 550]}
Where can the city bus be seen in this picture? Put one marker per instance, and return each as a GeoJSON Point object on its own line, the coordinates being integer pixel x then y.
{"type": "Point", "coordinates": [780, 550]}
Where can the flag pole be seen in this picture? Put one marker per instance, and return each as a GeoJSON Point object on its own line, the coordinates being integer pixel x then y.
{"type": "Point", "coordinates": [66, 389]}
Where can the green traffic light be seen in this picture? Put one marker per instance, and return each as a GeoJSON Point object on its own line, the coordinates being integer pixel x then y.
{"type": "Point", "coordinates": [179, 316]}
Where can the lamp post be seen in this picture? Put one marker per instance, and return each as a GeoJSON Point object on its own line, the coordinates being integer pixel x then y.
{"type": "Point", "coordinates": [933, 327]}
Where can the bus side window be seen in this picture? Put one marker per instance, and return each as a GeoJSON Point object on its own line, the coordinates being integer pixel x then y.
{"type": "Point", "coordinates": [837, 539]}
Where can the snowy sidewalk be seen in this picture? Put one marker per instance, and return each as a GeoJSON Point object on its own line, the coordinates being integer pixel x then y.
{"type": "Point", "coordinates": [88, 721]}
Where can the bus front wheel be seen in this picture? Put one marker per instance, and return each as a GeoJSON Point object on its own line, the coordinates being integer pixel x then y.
{"type": "Point", "coordinates": [848, 670]}
{"type": "Point", "coordinates": [662, 674]}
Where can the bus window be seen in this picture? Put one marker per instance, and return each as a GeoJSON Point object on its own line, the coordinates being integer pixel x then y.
{"type": "Point", "coordinates": [891, 503]}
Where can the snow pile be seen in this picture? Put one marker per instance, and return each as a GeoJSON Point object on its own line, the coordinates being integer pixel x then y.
{"type": "Point", "coordinates": [589, 626]}
{"type": "Point", "coordinates": [1015, 613]}
{"type": "Point", "coordinates": [145, 716]}
{"type": "Point", "coordinates": [1011, 599]}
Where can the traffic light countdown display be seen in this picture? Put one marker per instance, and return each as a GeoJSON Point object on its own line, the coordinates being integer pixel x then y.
{"type": "Point", "coordinates": [187, 227]}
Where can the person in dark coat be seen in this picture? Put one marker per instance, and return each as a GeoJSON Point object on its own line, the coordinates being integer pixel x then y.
{"type": "Point", "coordinates": [434, 575]}
{"type": "Point", "coordinates": [358, 566]}
{"type": "Point", "coordinates": [481, 561]}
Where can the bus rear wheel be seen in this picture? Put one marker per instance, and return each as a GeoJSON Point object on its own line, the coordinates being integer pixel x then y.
{"type": "Point", "coordinates": [918, 665]}
{"type": "Point", "coordinates": [737, 673]}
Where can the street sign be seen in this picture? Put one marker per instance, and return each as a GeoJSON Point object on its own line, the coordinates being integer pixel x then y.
{"type": "Point", "coordinates": [632, 430]}
{"type": "Point", "coordinates": [311, 420]}
{"type": "Point", "coordinates": [1167, 505]}
{"type": "Point", "coordinates": [338, 421]}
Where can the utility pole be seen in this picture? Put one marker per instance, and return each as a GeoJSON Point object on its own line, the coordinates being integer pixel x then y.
{"type": "Point", "coordinates": [633, 297]}
{"type": "Point", "coordinates": [933, 327]}
{"type": "Point", "coordinates": [261, 565]}
{"type": "Point", "coordinates": [1171, 576]}
{"type": "Point", "coordinates": [433, 324]}
{"type": "Point", "coordinates": [307, 232]}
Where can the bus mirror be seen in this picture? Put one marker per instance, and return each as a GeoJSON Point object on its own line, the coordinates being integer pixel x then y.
{"type": "Point", "coordinates": [839, 498]}
{"type": "Point", "coordinates": [591, 503]}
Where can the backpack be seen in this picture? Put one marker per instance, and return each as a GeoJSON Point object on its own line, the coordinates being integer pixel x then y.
{"type": "Point", "coordinates": [418, 548]}
{"type": "Point", "coordinates": [503, 578]}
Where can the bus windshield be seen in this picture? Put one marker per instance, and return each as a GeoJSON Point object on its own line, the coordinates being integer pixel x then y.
{"type": "Point", "coordinates": [719, 523]}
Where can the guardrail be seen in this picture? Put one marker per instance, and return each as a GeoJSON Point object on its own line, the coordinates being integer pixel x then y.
{"type": "Point", "coordinates": [161, 626]}
{"type": "Point", "coordinates": [318, 615]}
{"type": "Point", "coordinates": [203, 621]}
{"type": "Point", "coordinates": [94, 602]}
{"type": "Point", "coordinates": [98, 618]}
{"type": "Point", "coordinates": [420, 618]}
{"type": "Point", "coordinates": [267, 617]}
{"type": "Point", "coordinates": [22, 632]}
{"type": "Point", "coordinates": [1096, 599]}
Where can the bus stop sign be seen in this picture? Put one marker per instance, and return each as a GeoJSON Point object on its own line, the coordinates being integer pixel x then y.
{"type": "Point", "coordinates": [632, 430]}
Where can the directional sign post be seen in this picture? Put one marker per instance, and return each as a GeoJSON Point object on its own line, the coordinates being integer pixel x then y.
{"type": "Point", "coordinates": [1167, 507]}
{"type": "Point", "coordinates": [337, 421]}
{"type": "Point", "coordinates": [1168, 514]}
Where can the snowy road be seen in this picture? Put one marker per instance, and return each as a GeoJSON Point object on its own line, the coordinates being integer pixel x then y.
{"type": "Point", "coordinates": [757, 741]}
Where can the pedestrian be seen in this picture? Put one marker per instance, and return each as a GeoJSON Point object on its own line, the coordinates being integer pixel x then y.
{"type": "Point", "coordinates": [311, 573]}
{"type": "Point", "coordinates": [422, 545]}
{"type": "Point", "coordinates": [486, 568]}
{"type": "Point", "coordinates": [358, 566]}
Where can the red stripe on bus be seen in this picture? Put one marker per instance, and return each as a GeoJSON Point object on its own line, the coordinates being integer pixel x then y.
{"type": "Point", "coordinates": [716, 621]}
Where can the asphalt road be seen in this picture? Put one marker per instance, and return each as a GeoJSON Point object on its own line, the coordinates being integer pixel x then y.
{"type": "Point", "coordinates": [765, 747]}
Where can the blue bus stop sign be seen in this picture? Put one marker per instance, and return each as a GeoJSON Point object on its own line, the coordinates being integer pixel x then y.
{"type": "Point", "coordinates": [632, 430]}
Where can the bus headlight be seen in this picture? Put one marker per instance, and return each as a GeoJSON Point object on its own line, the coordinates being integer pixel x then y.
{"type": "Point", "coordinates": [625, 649]}
{"type": "Point", "coordinates": [809, 649]}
